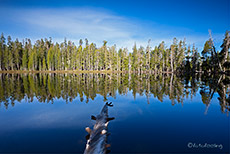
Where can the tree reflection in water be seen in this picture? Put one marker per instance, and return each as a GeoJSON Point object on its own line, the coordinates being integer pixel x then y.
{"type": "Point", "coordinates": [47, 87]}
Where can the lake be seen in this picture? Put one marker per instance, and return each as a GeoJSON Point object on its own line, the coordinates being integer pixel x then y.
{"type": "Point", "coordinates": [154, 113]}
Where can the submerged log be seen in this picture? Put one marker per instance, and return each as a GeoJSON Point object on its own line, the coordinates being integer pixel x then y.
{"type": "Point", "coordinates": [97, 138]}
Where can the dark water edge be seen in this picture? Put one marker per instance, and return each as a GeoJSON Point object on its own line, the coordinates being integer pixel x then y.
{"type": "Point", "coordinates": [47, 113]}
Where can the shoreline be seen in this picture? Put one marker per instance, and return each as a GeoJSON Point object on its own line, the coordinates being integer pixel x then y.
{"type": "Point", "coordinates": [77, 72]}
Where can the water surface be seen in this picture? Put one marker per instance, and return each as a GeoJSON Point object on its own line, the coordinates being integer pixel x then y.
{"type": "Point", "coordinates": [48, 113]}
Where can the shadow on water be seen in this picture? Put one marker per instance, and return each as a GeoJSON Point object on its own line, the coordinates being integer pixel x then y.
{"type": "Point", "coordinates": [48, 87]}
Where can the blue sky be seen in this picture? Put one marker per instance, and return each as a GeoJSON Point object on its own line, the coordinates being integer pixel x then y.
{"type": "Point", "coordinates": [119, 22]}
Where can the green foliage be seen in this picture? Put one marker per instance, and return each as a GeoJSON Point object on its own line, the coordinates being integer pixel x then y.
{"type": "Point", "coordinates": [224, 53]}
{"type": "Point", "coordinates": [207, 49]}
{"type": "Point", "coordinates": [45, 55]}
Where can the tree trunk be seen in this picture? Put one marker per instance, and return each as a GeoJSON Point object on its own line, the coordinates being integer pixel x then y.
{"type": "Point", "coordinates": [172, 61]}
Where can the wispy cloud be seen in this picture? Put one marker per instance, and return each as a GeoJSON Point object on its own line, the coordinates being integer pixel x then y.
{"type": "Point", "coordinates": [78, 23]}
{"type": "Point", "coordinates": [97, 25]}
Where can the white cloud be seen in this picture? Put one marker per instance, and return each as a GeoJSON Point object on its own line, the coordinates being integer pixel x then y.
{"type": "Point", "coordinates": [78, 23]}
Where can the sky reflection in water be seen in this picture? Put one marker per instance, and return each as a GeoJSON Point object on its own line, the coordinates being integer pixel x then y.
{"type": "Point", "coordinates": [138, 127]}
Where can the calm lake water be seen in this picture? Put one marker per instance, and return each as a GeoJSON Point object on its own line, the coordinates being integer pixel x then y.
{"type": "Point", "coordinates": [48, 113]}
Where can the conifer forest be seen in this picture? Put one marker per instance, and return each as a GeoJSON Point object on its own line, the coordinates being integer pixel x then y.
{"type": "Point", "coordinates": [45, 55]}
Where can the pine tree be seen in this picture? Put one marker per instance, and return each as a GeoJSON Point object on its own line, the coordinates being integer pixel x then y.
{"type": "Point", "coordinates": [113, 52]}
{"type": "Point", "coordinates": [57, 57]}
{"type": "Point", "coordinates": [91, 55]}
{"type": "Point", "coordinates": [17, 54]}
{"type": "Point", "coordinates": [105, 55]}
{"type": "Point", "coordinates": [156, 59]}
{"type": "Point", "coordinates": [31, 61]}
{"type": "Point", "coordinates": [2, 49]}
{"type": "Point", "coordinates": [172, 49]}
{"type": "Point", "coordinates": [206, 53]}
{"type": "Point", "coordinates": [6, 58]}
{"type": "Point", "coordinates": [181, 54]}
{"type": "Point", "coordinates": [161, 49]}
{"type": "Point", "coordinates": [195, 59]}
{"type": "Point", "coordinates": [10, 53]}
{"type": "Point", "coordinates": [141, 59]}
{"type": "Point", "coordinates": [224, 54]}
{"type": "Point", "coordinates": [135, 58]}
{"type": "Point", "coordinates": [50, 58]}
{"type": "Point", "coordinates": [148, 56]}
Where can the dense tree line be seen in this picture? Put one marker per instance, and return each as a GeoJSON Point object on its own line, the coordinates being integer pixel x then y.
{"type": "Point", "coordinates": [45, 55]}
{"type": "Point", "coordinates": [44, 87]}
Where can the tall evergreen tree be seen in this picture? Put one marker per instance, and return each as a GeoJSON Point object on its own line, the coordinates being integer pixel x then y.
{"type": "Point", "coordinates": [2, 49]}
{"type": "Point", "coordinates": [224, 54]}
